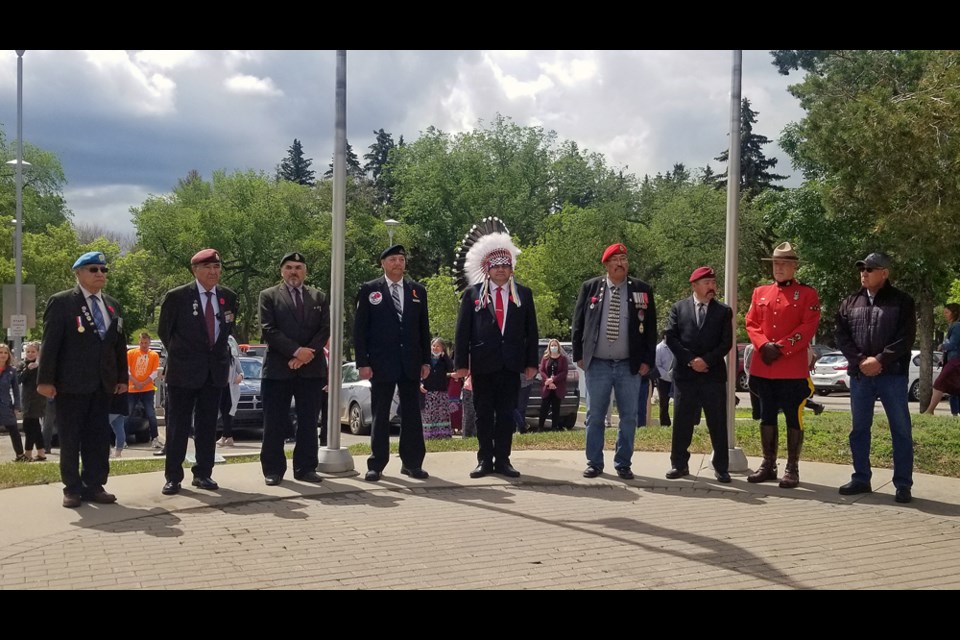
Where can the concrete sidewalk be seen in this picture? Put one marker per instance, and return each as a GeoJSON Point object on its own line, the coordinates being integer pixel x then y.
{"type": "Point", "coordinates": [549, 529]}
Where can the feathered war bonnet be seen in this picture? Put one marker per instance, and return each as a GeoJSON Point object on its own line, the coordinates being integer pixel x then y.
{"type": "Point", "coordinates": [487, 244]}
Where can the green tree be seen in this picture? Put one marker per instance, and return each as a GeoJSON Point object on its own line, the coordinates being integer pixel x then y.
{"type": "Point", "coordinates": [354, 170]}
{"type": "Point", "coordinates": [296, 168]}
{"type": "Point", "coordinates": [43, 182]}
{"type": "Point", "coordinates": [755, 167]}
{"type": "Point", "coordinates": [882, 130]}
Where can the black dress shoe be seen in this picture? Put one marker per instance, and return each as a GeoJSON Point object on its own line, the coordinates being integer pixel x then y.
{"type": "Point", "coordinates": [71, 500]}
{"type": "Point", "coordinates": [417, 474]}
{"type": "Point", "coordinates": [675, 473]}
{"type": "Point", "coordinates": [308, 476]}
{"type": "Point", "coordinates": [723, 476]}
{"type": "Point", "coordinates": [853, 487]}
{"type": "Point", "coordinates": [205, 483]}
{"type": "Point", "coordinates": [271, 481]}
{"type": "Point", "coordinates": [903, 495]}
{"type": "Point", "coordinates": [170, 488]}
{"type": "Point", "coordinates": [592, 472]}
{"type": "Point", "coordinates": [482, 470]}
{"type": "Point", "coordinates": [506, 470]}
{"type": "Point", "coordinates": [101, 497]}
{"type": "Point", "coordinates": [372, 476]}
{"type": "Point", "coordinates": [625, 473]}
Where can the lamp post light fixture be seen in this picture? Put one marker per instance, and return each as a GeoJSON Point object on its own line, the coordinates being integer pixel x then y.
{"type": "Point", "coordinates": [391, 225]}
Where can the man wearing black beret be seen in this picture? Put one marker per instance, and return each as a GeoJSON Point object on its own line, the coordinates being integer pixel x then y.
{"type": "Point", "coordinates": [391, 334]}
{"type": "Point", "coordinates": [295, 321]}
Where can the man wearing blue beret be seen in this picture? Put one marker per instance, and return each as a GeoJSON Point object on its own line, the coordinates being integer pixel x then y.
{"type": "Point", "coordinates": [83, 363]}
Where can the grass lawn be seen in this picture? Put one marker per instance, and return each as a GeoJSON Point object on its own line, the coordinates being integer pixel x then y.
{"type": "Point", "coordinates": [936, 446]}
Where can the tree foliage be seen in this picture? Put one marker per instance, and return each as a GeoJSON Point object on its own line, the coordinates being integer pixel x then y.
{"type": "Point", "coordinates": [295, 167]}
{"type": "Point", "coordinates": [755, 167]}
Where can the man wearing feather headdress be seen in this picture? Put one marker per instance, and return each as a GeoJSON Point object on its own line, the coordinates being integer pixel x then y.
{"type": "Point", "coordinates": [496, 340]}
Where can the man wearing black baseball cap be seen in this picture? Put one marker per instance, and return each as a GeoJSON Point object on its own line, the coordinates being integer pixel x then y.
{"type": "Point", "coordinates": [876, 327]}
{"type": "Point", "coordinates": [295, 321]}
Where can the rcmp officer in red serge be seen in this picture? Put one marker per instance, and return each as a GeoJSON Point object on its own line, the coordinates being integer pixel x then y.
{"type": "Point", "coordinates": [496, 341]}
{"type": "Point", "coordinates": [81, 366]}
{"type": "Point", "coordinates": [782, 320]}
{"type": "Point", "coordinates": [700, 334]}
{"type": "Point", "coordinates": [195, 322]}
{"type": "Point", "coordinates": [614, 343]}
{"type": "Point", "coordinates": [295, 321]}
{"type": "Point", "coordinates": [391, 334]}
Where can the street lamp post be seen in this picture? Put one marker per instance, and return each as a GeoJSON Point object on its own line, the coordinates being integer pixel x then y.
{"type": "Point", "coordinates": [18, 281]}
{"type": "Point", "coordinates": [391, 225]}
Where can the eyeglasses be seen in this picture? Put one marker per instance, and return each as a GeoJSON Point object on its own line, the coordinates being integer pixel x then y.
{"type": "Point", "coordinates": [96, 269]}
{"type": "Point", "coordinates": [869, 269]}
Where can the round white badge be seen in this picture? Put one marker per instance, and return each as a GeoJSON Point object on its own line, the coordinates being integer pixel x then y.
{"type": "Point", "coordinates": [376, 297]}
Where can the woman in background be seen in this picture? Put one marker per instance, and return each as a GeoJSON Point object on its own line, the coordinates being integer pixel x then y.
{"type": "Point", "coordinates": [949, 379]}
{"type": "Point", "coordinates": [553, 383]}
{"type": "Point", "coordinates": [435, 411]}
{"type": "Point", "coordinates": [10, 401]}
{"type": "Point", "coordinates": [34, 404]}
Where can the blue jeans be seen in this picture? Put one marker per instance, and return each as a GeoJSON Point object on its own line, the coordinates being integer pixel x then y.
{"type": "Point", "coordinates": [892, 393]}
{"type": "Point", "coordinates": [602, 376]}
{"type": "Point", "coordinates": [145, 398]}
{"type": "Point", "coordinates": [118, 423]}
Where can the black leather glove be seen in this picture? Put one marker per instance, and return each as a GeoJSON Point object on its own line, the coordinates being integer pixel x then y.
{"type": "Point", "coordinates": [769, 353]}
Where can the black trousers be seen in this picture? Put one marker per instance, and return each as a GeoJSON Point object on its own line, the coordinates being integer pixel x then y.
{"type": "Point", "coordinates": [308, 395]}
{"type": "Point", "coordinates": [226, 420]}
{"type": "Point", "coordinates": [197, 408]}
{"type": "Point", "coordinates": [412, 448]}
{"type": "Point", "coordinates": [689, 397]}
{"type": "Point", "coordinates": [494, 399]}
{"type": "Point", "coordinates": [84, 433]}
{"type": "Point", "coordinates": [551, 405]}
{"type": "Point", "coordinates": [663, 392]}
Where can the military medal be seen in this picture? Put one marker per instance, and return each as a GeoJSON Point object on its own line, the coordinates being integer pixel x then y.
{"type": "Point", "coordinates": [80, 327]}
{"type": "Point", "coordinates": [642, 304]}
{"type": "Point", "coordinates": [195, 308]}
{"type": "Point", "coordinates": [796, 295]}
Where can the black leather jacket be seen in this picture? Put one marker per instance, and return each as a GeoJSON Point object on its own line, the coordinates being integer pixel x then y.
{"type": "Point", "coordinates": [885, 330]}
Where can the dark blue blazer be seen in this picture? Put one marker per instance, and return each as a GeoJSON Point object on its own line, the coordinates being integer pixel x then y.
{"type": "Point", "coordinates": [395, 350]}
{"type": "Point", "coordinates": [284, 333]}
{"type": "Point", "coordinates": [191, 359]}
{"type": "Point", "coordinates": [712, 341]}
{"type": "Point", "coordinates": [482, 348]}
{"type": "Point", "coordinates": [75, 360]}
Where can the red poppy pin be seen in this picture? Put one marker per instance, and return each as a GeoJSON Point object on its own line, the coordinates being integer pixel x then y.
{"type": "Point", "coordinates": [593, 300]}
{"type": "Point", "coordinates": [222, 301]}
{"type": "Point", "coordinates": [414, 292]}
{"type": "Point", "coordinates": [110, 309]}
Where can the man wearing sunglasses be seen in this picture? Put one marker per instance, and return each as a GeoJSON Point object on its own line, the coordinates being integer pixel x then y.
{"type": "Point", "coordinates": [875, 330]}
{"type": "Point", "coordinates": [83, 365]}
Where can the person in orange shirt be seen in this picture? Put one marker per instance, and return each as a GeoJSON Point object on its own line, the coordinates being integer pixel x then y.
{"type": "Point", "coordinates": [782, 319]}
{"type": "Point", "coordinates": [143, 364]}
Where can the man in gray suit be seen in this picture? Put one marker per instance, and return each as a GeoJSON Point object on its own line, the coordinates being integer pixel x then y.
{"type": "Point", "coordinates": [295, 320]}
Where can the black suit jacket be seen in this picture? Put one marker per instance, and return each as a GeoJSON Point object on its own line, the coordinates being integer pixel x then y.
{"type": "Point", "coordinates": [395, 350]}
{"type": "Point", "coordinates": [588, 318]}
{"type": "Point", "coordinates": [482, 348]}
{"type": "Point", "coordinates": [712, 341]}
{"type": "Point", "coordinates": [284, 333]}
{"type": "Point", "coordinates": [191, 359]}
{"type": "Point", "coordinates": [78, 361]}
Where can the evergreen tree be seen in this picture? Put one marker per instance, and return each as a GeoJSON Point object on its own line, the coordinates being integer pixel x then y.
{"type": "Point", "coordinates": [296, 168]}
{"type": "Point", "coordinates": [377, 166]}
{"type": "Point", "coordinates": [354, 170]}
{"type": "Point", "coordinates": [754, 166]}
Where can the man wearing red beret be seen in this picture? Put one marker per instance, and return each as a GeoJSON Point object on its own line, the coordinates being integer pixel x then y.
{"type": "Point", "coordinates": [700, 333]}
{"type": "Point", "coordinates": [195, 323]}
{"type": "Point", "coordinates": [782, 319]}
{"type": "Point", "coordinates": [614, 343]}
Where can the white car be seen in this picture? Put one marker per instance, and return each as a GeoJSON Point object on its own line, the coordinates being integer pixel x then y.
{"type": "Point", "coordinates": [830, 373]}
{"type": "Point", "coordinates": [355, 409]}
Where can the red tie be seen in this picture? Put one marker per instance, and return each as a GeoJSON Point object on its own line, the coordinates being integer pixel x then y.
{"type": "Point", "coordinates": [499, 307]}
{"type": "Point", "coordinates": [208, 317]}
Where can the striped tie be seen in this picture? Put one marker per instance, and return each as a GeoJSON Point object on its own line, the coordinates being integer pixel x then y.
{"type": "Point", "coordinates": [397, 301]}
{"type": "Point", "coordinates": [613, 316]}
{"type": "Point", "coordinates": [98, 316]}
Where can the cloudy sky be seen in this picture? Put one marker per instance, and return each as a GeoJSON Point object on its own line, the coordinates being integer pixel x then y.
{"type": "Point", "coordinates": [127, 124]}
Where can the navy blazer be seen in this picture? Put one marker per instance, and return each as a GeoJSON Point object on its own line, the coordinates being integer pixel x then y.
{"type": "Point", "coordinates": [712, 341]}
{"type": "Point", "coordinates": [73, 358]}
{"type": "Point", "coordinates": [284, 333]}
{"type": "Point", "coordinates": [587, 320]}
{"type": "Point", "coordinates": [482, 348]}
{"type": "Point", "coordinates": [191, 359]}
{"type": "Point", "coordinates": [395, 350]}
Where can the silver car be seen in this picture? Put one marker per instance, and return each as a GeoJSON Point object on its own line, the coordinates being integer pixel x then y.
{"type": "Point", "coordinates": [355, 407]}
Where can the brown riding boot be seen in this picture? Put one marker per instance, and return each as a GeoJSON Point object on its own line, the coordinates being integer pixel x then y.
{"type": "Point", "coordinates": [791, 475]}
{"type": "Point", "coordinates": [768, 468]}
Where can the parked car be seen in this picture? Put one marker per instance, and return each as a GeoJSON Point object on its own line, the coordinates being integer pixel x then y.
{"type": "Point", "coordinates": [570, 404]}
{"type": "Point", "coordinates": [356, 410]}
{"type": "Point", "coordinates": [741, 374]}
{"type": "Point", "coordinates": [830, 374]}
{"type": "Point", "coordinates": [253, 350]}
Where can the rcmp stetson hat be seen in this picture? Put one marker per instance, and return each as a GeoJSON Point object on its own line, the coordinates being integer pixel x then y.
{"type": "Point", "coordinates": [784, 251]}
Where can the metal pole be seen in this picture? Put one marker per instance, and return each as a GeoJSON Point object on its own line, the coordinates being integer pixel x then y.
{"type": "Point", "coordinates": [18, 281]}
{"type": "Point", "coordinates": [738, 460]}
{"type": "Point", "coordinates": [333, 458]}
